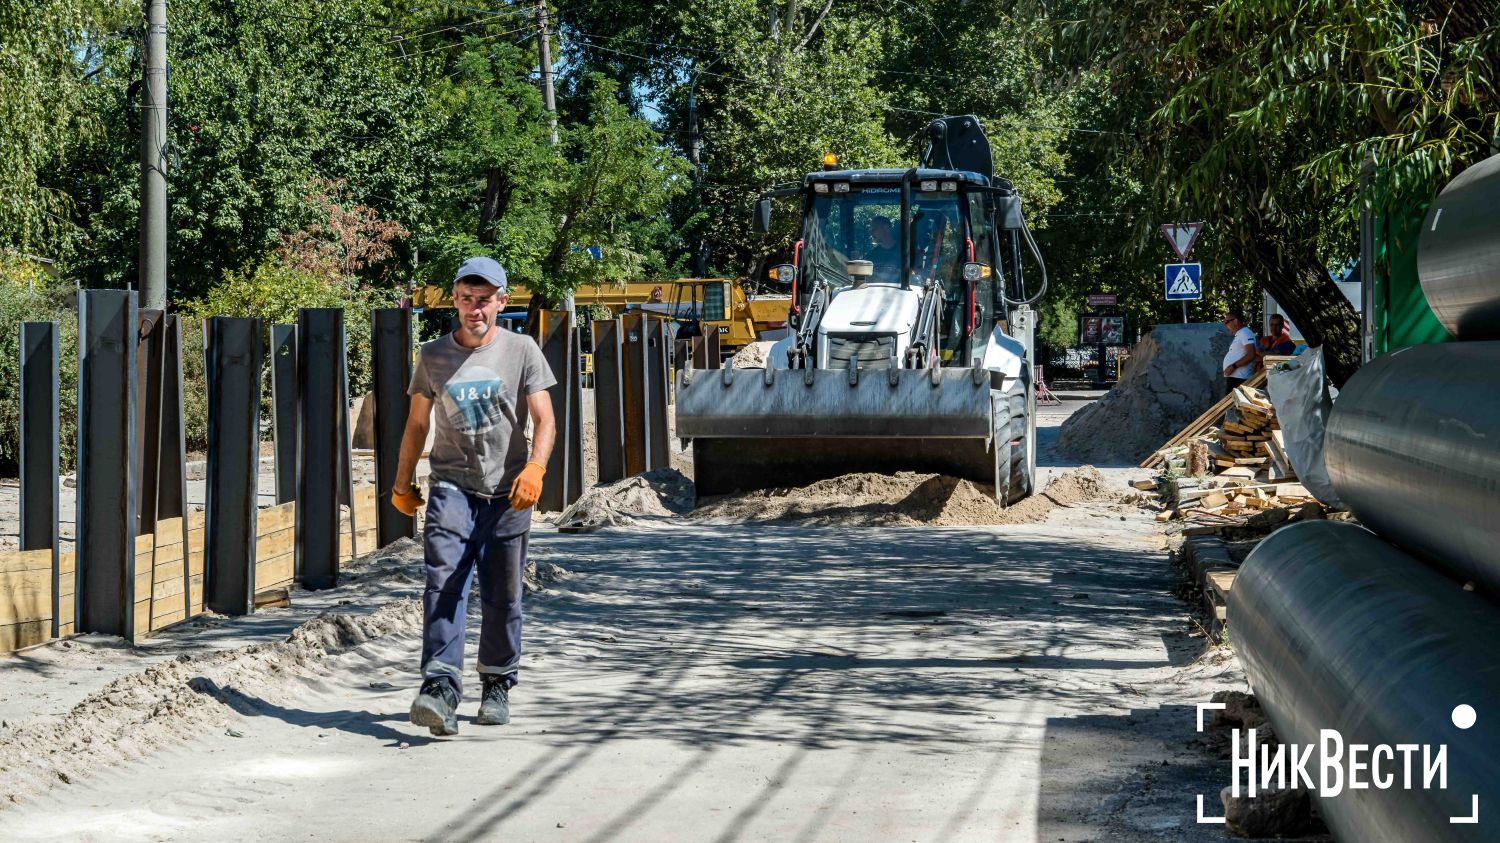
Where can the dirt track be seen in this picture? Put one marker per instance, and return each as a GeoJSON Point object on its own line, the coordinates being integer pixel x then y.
{"type": "Point", "coordinates": [702, 682]}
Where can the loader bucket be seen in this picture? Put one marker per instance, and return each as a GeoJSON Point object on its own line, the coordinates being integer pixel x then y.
{"type": "Point", "coordinates": [763, 428]}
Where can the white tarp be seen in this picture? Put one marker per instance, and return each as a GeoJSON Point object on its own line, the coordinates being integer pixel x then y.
{"type": "Point", "coordinates": [1302, 399]}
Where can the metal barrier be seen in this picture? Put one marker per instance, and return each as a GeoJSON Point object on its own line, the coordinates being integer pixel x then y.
{"type": "Point", "coordinates": [40, 505]}
{"type": "Point", "coordinates": [391, 359]}
{"type": "Point", "coordinates": [560, 347]}
{"type": "Point", "coordinates": [106, 482]}
{"type": "Point", "coordinates": [233, 375]}
{"type": "Point", "coordinates": [320, 470]}
{"type": "Point", "coordinates": [284, 409]}
{"type": "Point", "coordinates": [609, 407]}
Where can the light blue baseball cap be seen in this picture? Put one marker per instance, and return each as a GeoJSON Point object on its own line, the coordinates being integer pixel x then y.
{"type": "Point", "coordinates": [488, 269]}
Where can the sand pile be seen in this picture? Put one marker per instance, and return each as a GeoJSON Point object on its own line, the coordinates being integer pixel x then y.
{"type": "Point", "coordinates": [752, 356]}
{"type": "Point", "coordinates": [906, 499]}
{"type": "Point", "coordinates": [1080, 486]}
{"type": "Point", "coordinates": [662, 493]}
{"type": "Point", "coordinates": [1172, 377]}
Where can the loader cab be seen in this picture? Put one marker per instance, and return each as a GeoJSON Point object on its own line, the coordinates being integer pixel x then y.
{"type": "Point", "coordinates": [857, 215]}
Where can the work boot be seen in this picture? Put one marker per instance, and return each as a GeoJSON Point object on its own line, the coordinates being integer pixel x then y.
{"type": "Point", "coordinates": [494, 704]}
{"type": "Point", "coordinates": [436, 707]}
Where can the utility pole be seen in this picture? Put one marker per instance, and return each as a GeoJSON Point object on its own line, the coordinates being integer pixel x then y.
{"type": "Point", "coordinates": [695, 153]}
{"type": "Point", "coordinates": [152, 283]}
{"type": "Point", "coordinates": [544, 59]}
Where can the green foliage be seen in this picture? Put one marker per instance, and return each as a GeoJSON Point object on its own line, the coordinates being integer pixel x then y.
{"type": "Point", "coordinates": [269, 99]}
{"type": "Point", "coordinates": [43, 302]}
{"type": "Point", "coordinates": [44, 46]}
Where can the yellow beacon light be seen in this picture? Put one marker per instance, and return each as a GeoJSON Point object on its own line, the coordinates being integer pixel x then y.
{"type": "Point", "coordinates": [830, 161]}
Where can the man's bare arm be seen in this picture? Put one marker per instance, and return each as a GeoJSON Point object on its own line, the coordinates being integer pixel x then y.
{"type": "Point", "coordinates": [413, 439]}
{"type": "Point", "coordinates": [543, 426]}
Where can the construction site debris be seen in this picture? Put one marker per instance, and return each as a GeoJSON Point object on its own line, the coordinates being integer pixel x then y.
{"type": "Point", "coordinates": [904, 499]}
{"type": "Point", "coordinates": [1169, 380]}
{"type": "Point", "coordinates": [662, 493]}
{"type": "Point", "coordinates": [752, 356]}
{"type": "Point", "coordinates": [1235, 472]}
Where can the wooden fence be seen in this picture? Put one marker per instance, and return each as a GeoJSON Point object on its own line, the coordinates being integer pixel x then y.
{"type": "Point", "coordinates": [26, 582]}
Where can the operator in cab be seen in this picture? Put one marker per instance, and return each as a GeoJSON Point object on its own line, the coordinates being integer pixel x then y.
{"type": "Point", "coordinates": [885, 252]}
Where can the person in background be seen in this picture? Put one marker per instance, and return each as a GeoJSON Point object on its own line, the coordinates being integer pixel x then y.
{"type": "Point", "coordinates": [1279, 341]}
{"type": "Point", "coordinates": [1239, 360]}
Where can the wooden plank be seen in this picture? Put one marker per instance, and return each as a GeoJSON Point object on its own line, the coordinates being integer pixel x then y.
{"type": "Point", "coordinates": [65, 613]}
{"type": "Point", "coordinates": [142, 612]}
{"type": "Point", "coordinates": [276, 518]}
{"type": "Point", "coordinates": [1201, 424]}
{"type": "Point", "coordinates": [166, 619]}
{"type": "Point", "coordinates": [197, 521]}
{"type": "Point", "coordinates": [168, 532]}
{"type": "Point", "coordinates": [1221, 582]}
{"type": "Point", "coordinates": [17, 635]}
{"type": "Point", "coordinates": [26, 596]}
{"type": "Point", "coordinates": [166, 554]}
{"type": "Point", "coordinates": [144, 544]}
{"type": "Point", "coordinates": [275, 571]}
{"type": "Point", "coordinates": [65, 630]}
{"type": "Point", "coordinates": [275, 544]}
{"type": "Point", "coordinates": [26, 560]}
{"type": "Point", "coordinates": [65, 562]}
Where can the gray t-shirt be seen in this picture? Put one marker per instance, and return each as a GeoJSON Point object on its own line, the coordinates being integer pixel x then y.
{"type": "Point", "coordinates": [479, 407]}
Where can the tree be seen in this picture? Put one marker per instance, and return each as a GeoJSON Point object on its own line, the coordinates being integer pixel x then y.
{"type": "Point", "coordinates": [46, 49]}
{"type": "Point", "coordinates": [1260, 114]}
{"type": "Point", "coordinates": [267, 98]}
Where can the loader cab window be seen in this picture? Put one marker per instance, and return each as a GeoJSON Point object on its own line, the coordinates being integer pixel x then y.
{"type": "Point", "coordinates": [858, 225]}
{"type": "Point", "coordinates": [981, 233]}
{"type": "Point", "coordinates": [939, 249]}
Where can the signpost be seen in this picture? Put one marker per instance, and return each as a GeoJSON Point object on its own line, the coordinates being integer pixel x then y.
{"type": "Point", "coordinates": [1184, 283]}
{"type": "Point", "coordinates": [1184, 280]}
{"type": "Point", "coordinates": [1103, 299]}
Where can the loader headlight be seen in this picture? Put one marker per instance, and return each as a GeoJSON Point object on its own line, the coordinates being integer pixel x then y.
{"type": "Point", "coordinates": [820, 187]}
{"type": "Point", "coordinates": [840, 187]}
{"type": "Point", "coordinates": [929, 185]}
{"type": "Point", "coordinates": [950, 186]}
{"type": "Point", "coordinates": [976, 271]}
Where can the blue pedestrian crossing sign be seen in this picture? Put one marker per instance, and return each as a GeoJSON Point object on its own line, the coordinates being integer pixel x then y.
{"type": "Point", "coordinates": [1184, 281]}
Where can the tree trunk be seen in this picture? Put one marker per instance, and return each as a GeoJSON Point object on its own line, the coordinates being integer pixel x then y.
{"type": "Point", "coordinates": [1298, 280]}
{"type": "Point", "coordinates": [497, 190]}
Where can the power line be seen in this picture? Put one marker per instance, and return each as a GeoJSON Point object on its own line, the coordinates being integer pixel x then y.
{"type": "Point", "coordinates": [467, 41]}
{"type": "Point", "coordinates": [593, 42]}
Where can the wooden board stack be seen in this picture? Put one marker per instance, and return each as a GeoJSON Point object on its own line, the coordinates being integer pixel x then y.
{"type": "Point", "coordinates": [1236, 466]}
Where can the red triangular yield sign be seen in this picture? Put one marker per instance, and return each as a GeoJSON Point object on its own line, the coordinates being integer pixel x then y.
{"type": "Point", "coordinates": [1182, 236]}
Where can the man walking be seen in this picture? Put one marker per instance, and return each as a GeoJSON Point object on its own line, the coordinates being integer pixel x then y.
{"type": "Point", "coordinates": [483, 382]}
{"type": "Point", "coordinates": [1239, 360]}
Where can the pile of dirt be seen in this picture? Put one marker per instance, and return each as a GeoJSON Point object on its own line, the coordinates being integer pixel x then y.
{"type": "Point", "coordinates": [752, 356]}
{"type": "Point", "coordinates": [906, 499]}
{"type": "Point", "coordinates": [662, 493]}
{"type": "Point", "coordinates": [1172, 377]}
{"type": "Point", "coordinates": [1080, 486]}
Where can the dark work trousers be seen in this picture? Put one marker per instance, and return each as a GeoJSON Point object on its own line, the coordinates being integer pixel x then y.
{"type": "Point", "coordinates": [1231, 383]}
{"type": "Point", "coordinates": [465, 533]}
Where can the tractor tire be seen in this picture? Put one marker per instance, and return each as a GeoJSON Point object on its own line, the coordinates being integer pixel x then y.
{"type": "Point", "coordinates": [1015, 441]}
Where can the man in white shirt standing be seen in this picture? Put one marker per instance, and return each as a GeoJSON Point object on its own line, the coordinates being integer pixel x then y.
{"type": "Point", "coordinates": [1239, 360]}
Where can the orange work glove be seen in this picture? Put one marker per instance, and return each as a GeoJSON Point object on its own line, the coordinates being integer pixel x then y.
{"type": "Point", "coordinates": [408, 501]}
{"type": "Point", "coordinates": [528, 487]}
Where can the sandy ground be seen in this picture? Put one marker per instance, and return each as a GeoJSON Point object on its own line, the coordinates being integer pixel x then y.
{"type": "Point", "coordinates": [682, 682]}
